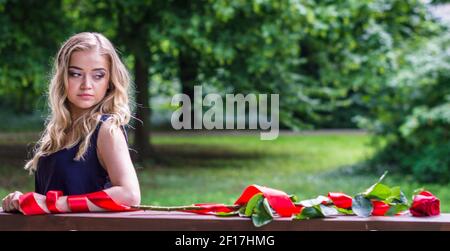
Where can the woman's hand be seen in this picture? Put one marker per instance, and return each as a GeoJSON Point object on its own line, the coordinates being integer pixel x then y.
{"type": "Point", "coordinates": [11, 202]}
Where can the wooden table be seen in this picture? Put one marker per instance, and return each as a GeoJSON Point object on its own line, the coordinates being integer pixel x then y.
{"type": "Point", "coordinates": [179, 221]}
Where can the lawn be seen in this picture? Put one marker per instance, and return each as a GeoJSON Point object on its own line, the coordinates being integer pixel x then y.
{"type": "Point", "coordinates": [214, 168]}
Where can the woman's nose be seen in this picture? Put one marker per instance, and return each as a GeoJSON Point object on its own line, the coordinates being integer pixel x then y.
{"type": "Point", "coordinates": [87, 83]}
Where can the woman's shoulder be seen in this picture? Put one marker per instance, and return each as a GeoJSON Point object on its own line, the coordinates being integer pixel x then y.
{"type": "Point", "coordinates": [104, 116]}
{"type": "Point", "coordinates": [108, 123]}
{"type": "Point", "coordinates": [110, 118]}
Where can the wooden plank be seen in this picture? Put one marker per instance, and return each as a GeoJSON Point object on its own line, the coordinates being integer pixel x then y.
{"type": "Point", "coordinates": [179, 221]}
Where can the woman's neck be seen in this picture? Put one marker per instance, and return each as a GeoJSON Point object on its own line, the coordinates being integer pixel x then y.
{"type": "Point", "coordinates": [76, 113]}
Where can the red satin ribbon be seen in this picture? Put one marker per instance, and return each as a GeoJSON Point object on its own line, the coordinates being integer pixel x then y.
{"type": "Point", "coordinates": [102, 199]}
{"type": "Point", "coordinates": [77, 203]}
{"type": "Point", "coordinates": [28, 204]}
{"type": "Point", "coordinates": [52, 197]}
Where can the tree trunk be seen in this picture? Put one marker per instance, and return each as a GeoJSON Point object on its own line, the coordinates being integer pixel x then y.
{"type": "Point", "coordinates": [25, 100]}
{"type": "Point", "coordinates": [188, 75]}
{"type": "Point", "coordinates": [142, 131]}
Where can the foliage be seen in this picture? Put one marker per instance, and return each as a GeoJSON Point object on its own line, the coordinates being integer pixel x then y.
{"type": "Point", "coordinates": [30, 32]}
{"type": "Point", "coordinates": [385, 61]}
{"type": "Point", "coordinates": [440, 1]}
{"type": "Point", "coordinates": [349, 47]}
{"type": "Point", "coordinates": [411, 110]}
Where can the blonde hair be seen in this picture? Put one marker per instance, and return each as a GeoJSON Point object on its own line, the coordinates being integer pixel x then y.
{"type": "Point", "coordinates": [59, 122]}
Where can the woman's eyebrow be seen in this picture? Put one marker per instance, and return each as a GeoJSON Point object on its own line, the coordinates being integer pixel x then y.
{"type": "Point", "coordinates": [96, 69]}
{"type": "Point", "coordinates": [78, 68]}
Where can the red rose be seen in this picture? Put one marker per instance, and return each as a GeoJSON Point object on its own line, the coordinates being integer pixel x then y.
{"type": "Point", "coordinates": [341, 200]}
{"type": "Point", "coordinates": [425, 204]}
{"type": "Point", "coordinates": [379, 208]}
{"type": "Point", "coordinates": [298, 209]}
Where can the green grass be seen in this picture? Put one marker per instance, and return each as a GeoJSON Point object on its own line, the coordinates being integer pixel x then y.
{"type": "Point", "coordinates": [194, 169]}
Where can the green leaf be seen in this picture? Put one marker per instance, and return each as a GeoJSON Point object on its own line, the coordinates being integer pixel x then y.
{"type": "Point", "coordinates": [395, 209]}
{"type": "Point", "coordinates": [242, 211]}
{"type": "Point", "coordinates": [328, 210]}
{"type": "Point", "coordinates": [224, 214]}
{"type": "Point", "coordinates": [395, 195]}
{"type": "Point", "coordinates": [314, 202]}
{"type": "Point", "coordinates": [361, 206]}
{"type": "Point", "coordinates": [252, 203]}
{"type": "Point", "coordinates": [403, 199]}
{"type": "Point", "coordinates": [378, 191]}
{"type": "Point", "coordinates": [345, 211]}
{"type": "Point", "coordinates": [309, 213]}
{"type": "Point", "coordinates": [261, 216]}
{"type": "Point", "coordinates": [267, 207]}
{"type": "Point", "coordinates": [293, 198]}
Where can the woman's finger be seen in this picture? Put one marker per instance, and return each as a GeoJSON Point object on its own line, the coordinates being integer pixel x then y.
{"type": "Point", "coordinates": [15, 200]}
{"type": "Point", "coordinates": [15, 205]}
{"type": "Point", "coordinates": [6, 203]}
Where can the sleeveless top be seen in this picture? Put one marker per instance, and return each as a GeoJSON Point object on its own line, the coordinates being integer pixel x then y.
{"type": "Point", "coordinates": [59, 170]}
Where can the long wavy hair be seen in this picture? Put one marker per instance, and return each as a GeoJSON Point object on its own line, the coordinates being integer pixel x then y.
{"type": "Point", "coordinates": [59, 122]}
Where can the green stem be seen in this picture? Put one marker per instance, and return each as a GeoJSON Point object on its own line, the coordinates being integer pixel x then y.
{"type": "Point", "coordinates": [179, 208]}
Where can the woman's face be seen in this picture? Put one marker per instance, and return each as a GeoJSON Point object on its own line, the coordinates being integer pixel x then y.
{"type": "Point", "coordinates": [88, 80]}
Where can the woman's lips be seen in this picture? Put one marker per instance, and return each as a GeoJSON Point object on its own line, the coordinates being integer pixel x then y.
{"type": "Point", "coordinates": [85, 96]}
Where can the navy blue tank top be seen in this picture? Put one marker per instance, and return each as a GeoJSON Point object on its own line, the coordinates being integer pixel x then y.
{"type": "Point", "coordinates": [59, 170]}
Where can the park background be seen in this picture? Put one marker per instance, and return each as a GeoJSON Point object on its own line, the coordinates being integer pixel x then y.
{"type": "Point", "coordinates": [364, 88]}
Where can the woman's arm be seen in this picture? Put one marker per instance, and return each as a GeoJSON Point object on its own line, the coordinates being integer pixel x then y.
{"type": "Point", "coordinates": [113, 153]}
{"type": "Point", "coordinates": [112, 150]}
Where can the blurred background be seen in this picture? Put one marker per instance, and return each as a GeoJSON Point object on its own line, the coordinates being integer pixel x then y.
{"type": "Point", "coordinates": [364, 87]}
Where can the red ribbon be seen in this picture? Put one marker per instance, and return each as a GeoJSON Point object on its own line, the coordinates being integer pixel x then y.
{"type": "Point", "coordinates": [102, 199]}
{"type": "Point", "coordinates": [77, 203]}
{"type": "Point", "coordinates": [52, 197]}
{"type": "Point", "coordinates": [28, 204]}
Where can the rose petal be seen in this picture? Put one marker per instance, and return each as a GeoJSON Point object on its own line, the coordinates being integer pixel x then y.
{"type": "Point", "coordinates": [340, 200]}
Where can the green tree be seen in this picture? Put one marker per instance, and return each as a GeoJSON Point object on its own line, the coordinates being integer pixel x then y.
{"type": "Point", "coordinates": [235, 46]}
{"type": "Point", "coordinates": [411, 111]}
{"type": "Point", "coordinates": [30, 33]}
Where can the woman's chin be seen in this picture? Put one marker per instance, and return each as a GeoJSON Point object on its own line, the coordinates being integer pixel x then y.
{"type": "Point", "coordinates": [85, 105]}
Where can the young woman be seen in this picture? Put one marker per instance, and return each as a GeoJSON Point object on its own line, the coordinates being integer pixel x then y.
{"type": "Point", "coordinates": [84, 147]}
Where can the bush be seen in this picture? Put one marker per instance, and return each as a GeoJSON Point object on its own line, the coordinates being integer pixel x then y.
{"type": "Point", "coordinates": [411, 111]}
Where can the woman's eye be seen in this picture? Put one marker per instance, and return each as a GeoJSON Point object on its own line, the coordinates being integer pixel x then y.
{"type": "Point", "coordinates": [99, 76]}
{"type": "Point", "coordinates": [74, 74]}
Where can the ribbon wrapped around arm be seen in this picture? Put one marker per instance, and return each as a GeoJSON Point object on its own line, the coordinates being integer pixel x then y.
{"type": "Point", "coordinates": [34, 204]}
